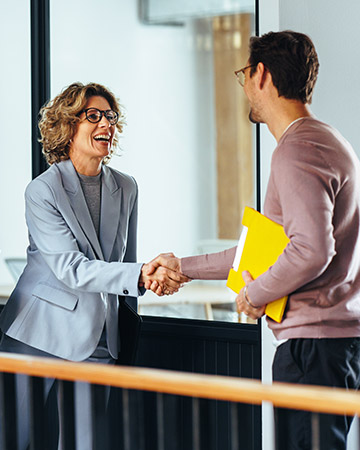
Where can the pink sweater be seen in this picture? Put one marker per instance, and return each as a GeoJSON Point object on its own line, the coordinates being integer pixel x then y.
{"type": "Point", "coordinates": [314, 192]}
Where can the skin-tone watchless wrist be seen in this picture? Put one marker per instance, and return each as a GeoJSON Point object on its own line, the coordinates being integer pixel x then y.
{"type": "Point", "coordinates": [248, 300]}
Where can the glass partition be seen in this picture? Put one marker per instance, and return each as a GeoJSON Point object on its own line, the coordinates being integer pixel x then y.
{"type": "Point", "coordinates": [15, 155]}
{"type": "Point", "coordinates": [188, 141]}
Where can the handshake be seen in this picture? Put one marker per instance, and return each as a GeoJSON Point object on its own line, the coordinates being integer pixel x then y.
{"type": "Point", "coordinates": [163, 275]}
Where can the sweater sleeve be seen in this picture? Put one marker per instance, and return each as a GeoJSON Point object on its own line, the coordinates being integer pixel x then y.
{"type": "Point", "coordinates": [213, 266]}
{"type": "Point", "coordinates": [302, 188]}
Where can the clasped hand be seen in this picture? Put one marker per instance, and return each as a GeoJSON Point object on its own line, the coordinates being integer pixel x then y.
{"type": "Point", "coordinates": [163, 275]}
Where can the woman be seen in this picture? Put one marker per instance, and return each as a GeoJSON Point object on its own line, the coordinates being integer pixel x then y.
{"type": "Point", "coordinates": [82, 219]}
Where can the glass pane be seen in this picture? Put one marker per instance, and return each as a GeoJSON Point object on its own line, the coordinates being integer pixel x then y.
{"type": "Point", "coordinates": [15, 155]}
{"type": "Point", "coordinates": [188, 141]}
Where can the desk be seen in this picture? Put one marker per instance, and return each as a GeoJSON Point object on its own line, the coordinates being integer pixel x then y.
{"type": "Point", "coordinates": [194, 293]}
{"type": "Point", "coordinates": [5, 291]}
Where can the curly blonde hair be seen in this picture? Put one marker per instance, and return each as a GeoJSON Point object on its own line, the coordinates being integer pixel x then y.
{"type": "Point", "coordinates": [59, 119]}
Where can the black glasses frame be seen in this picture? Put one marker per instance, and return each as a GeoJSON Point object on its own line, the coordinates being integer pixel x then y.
{"type": "Point", "coordinates": [237, 73]}
{"type": "Point", "coordinates": [106, 113]}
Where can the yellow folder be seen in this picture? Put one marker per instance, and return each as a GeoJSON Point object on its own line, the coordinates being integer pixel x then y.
{"type": "Point", "coordinates": [264, 242]}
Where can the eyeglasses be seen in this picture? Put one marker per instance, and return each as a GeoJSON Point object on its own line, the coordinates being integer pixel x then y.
{"type": "Point", "coordinates": [94, 115]}
{"type": "Point", "coordinates": [240, 74]}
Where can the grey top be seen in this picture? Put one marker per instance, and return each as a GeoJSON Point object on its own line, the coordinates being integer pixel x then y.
{"type": "Point", "coordinates": [91, 187]}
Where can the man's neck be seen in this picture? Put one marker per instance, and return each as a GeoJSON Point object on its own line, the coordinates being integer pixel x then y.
{"type": "Point", "coordinates": [286, 112]}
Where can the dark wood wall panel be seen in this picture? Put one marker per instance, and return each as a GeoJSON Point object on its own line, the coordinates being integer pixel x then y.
{"type": "Point", "coordinates": [216, 348]}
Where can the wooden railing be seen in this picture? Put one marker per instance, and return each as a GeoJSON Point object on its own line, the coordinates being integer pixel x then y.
{"type": "Point", "coordinates": [234, 390]}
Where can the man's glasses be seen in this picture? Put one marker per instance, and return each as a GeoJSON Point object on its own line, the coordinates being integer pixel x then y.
{"type": "Point", "coordinates": [240, 74]}
{"type": "Point", "coordinates": [94, 115]}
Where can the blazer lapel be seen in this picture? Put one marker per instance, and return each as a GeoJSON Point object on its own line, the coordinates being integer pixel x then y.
{"type": "Point", "coordinates": [78, 204]}
{"type": "Point", "coordinates": [110, 212]}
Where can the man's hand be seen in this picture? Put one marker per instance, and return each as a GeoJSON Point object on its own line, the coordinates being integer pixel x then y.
{"type": "Point", "coordinates": [168, 260]}
{"type": "Point", "coordinates": [245, 306]}
{"type": "Point", "coordinates": [171, 264]}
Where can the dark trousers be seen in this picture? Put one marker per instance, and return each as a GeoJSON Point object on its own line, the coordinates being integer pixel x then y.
{"type": "Point", "coordinates": [325, 362]}
{"type": "Point", "coordinates": [82, 399]}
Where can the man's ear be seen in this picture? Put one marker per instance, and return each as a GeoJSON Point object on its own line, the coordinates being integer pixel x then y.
{"type": "Point", "coordinates": [263, 74]}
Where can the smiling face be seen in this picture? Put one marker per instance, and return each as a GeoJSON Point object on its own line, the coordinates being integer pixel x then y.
{"type": "Point", "coordinates": [92, 141]}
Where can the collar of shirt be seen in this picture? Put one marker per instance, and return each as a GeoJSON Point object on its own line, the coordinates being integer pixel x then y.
{"type": "Point", "coordinates": [290, 124]}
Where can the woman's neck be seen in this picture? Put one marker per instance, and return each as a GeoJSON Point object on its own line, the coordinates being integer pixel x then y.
{"type": "Point", "coordinates": [86, 167]}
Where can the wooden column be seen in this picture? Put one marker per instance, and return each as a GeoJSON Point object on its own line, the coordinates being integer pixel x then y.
{"type": "Point", "coordinates": [235, 178]}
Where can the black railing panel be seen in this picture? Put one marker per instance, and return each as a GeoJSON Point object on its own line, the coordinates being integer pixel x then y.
{"type": "Point", "coordinates": [67, 414]}
{"type": "Point", "coordinates": [188, 418]}
{"type": "Point", "coordinates": [246, 415]}
{"type": "Point", "coordinates": [160, 426]}
{"type": "Point", "coordinates": [8, 420]}
{"type": "Point", "coordinates": [172, 407]}
{"type": "Point", "coordinates": [126, 419]}
{"type": "Point", "coordinates": [100, 423]}
{"type": "Point", "coordinates": [116, 416]}
{"type": "Point", "coordinates": [37, 414]}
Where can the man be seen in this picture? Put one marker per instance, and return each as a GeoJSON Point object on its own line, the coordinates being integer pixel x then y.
{"type": "Point", "coordinates": [314, 192]}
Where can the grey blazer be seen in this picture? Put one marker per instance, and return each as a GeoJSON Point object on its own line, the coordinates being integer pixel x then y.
{"type": "Point", "coordinates": [70, 284]}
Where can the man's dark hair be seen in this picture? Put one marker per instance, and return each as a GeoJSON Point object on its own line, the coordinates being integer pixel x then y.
{"type": "Point", "coordinates": [292, 61]}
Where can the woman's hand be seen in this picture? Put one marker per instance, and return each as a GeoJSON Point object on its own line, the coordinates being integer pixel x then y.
{"type": "Point", "coordinates": [162, 280]}
{"type": "Point", "coordinates": [168, 260]}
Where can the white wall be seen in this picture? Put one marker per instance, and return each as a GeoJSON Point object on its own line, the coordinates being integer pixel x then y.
{"type": "Point", "coordinates": [162, 75]}
{"type": "Point", "coordinates": [333, 28]}
{"type": "Point", "coordinates": [15, 150]}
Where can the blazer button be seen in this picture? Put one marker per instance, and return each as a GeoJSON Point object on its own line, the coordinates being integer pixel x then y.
{"type": "Point", "coordinates": [125, 291]}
